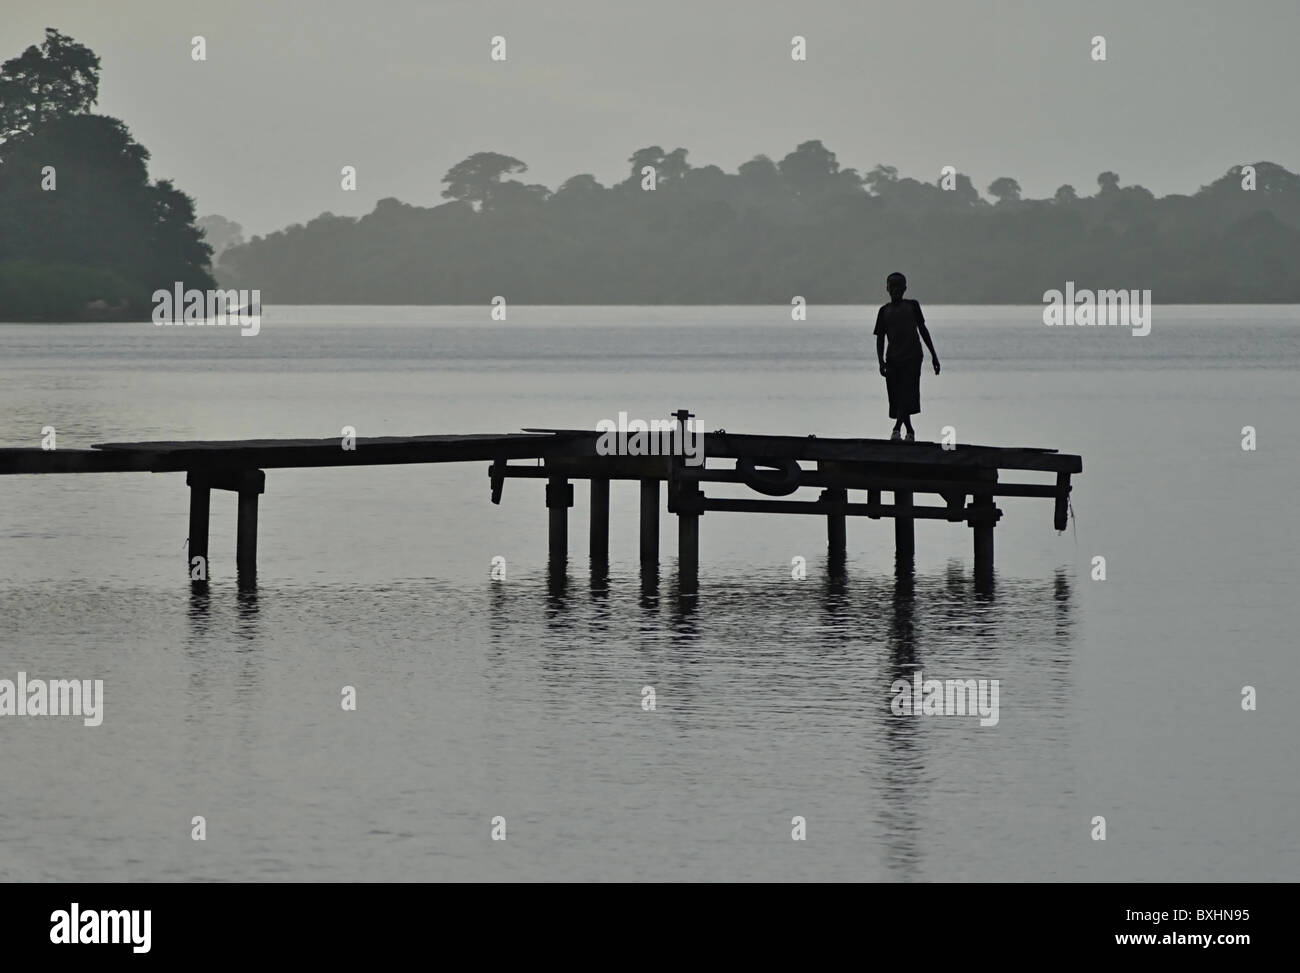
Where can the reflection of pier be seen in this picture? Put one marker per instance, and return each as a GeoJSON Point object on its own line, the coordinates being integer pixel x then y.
{"type": "Point", "coordinates": [965, 478]}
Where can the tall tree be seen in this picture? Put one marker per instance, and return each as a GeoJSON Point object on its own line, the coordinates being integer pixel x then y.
{"type": "Point", "coordinates": [477, 179]}
{"type": "Point", "coordinates": [810, 169]}
{"type": "Point", "coordinates": [220, 233]}
{"type": "Point", "coordinates": [1005, 190]}
{"type": "Point", "coordinates": [61, 77]}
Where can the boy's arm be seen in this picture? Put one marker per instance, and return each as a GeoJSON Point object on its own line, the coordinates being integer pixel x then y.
{"type": "Point", "coordinates": [880, 339]}
{"type": "Point", "coordinates": [925, 336]}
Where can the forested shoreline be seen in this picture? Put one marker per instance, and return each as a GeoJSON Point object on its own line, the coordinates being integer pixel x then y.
{"type": "Point", "coordinates": [84, 233]}
{"type": "Point", "coordinates": [801, 226]}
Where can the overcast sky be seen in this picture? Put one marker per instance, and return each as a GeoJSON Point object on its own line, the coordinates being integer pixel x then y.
{"type": "Point", "coordinates": [292, 90]}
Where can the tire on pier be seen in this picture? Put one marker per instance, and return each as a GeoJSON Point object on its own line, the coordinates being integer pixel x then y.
{"type": "Point", "coordinates": [771, 477]}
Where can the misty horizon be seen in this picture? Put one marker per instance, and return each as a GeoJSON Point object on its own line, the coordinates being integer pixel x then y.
{"type": "Point", "coordinates": [1010, 91]}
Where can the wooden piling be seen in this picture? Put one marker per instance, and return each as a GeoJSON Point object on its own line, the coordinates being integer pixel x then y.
{"type": "Point", "coordinates": [984, 517]}
{"type": "Point", "coordinates": [246, 541]}
{"type": "Point", "coordinates": [836, 502]}
{"type": "Point", "coordinates": [599, 546]}
{"type": "Point", "coordinates": [983, 530]}
{"type": "Point", "coordinates": [904, 525]}
{"type": "Point", "coordinates": [200, 507]}
{"type": "Point", "coordinates": [559, 498]}
{"type": "Point", "coordinates": [1061, 513]}
{"type": "Point", "coordinates": [252, 484]}
{"type": "Point", "coordinates": [688, 552]}
{"type": "Point", "coordinates": [690, 504]}
{"type": "Point", "coordinates": [649, 521]}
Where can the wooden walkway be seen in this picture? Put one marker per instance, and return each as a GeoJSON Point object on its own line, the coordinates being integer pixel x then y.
{"type": "Point", "coordinates": [967, 480]}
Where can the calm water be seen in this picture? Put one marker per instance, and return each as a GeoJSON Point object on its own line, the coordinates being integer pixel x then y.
{"type": "Point", "coordinates": [479, 698]}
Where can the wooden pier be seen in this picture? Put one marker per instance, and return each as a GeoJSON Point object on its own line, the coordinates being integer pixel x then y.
{"type": "Point", "coordinates": [967, 480]}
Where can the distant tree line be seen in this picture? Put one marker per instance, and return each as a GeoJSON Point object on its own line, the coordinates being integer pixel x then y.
{"type": "Point", "coordinates": [773, 230]}
{"type": "Point", "coordinates": [84, 233]}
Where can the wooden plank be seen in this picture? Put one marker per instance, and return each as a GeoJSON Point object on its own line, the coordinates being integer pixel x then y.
{"type": "Point", "coordinates": [581, 469]}
{"type": "Point", "coordinates": [818, 508]}
{"type": "Point", "coordinates": [579, 442]}
{"type": "Point", "coordinates": [21, 461]}
{"type": "Point", "coordinates": [166, 457]}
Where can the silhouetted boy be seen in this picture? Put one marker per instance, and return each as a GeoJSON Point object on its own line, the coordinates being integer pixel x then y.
{"type": "Point", "coordinates": [902, 323]}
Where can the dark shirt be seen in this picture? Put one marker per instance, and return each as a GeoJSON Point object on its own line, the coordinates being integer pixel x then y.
{"type": "Point", "coordinates": [900, 324]}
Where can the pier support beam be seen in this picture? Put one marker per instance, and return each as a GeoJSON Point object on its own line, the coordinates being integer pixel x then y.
{"type": "Point", "coordinates": [690, 505]}
{"type": "Point", "coordinates": [252, 485]}
{"type": "Point", "coordinates": [650, 521]}
{"type": "Point", "coordinates": [559, 498]}
{"type": "Point", "coordinates": [599, 546]}
{"type": "Point", "coordinates": [984, 517]}
{"type": "Point", "coordinates": [688, 552]}
{"type": "Point", "coordinates": [983, 530]}
{"type": "Point", "coordinates": [246, 541]}
{"type": "Point", "coordinates": [200, 506]}
{"type": "Point", "coordinates": [904, 525]}
{"type": "Point", "coordinates": [1061, 513]}
{"type": "Point", "coordinates": [836, 502]}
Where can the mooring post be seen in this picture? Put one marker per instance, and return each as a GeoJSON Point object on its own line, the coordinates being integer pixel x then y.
{"type": "Point", "coordinates": [904, 525]}
{"type": "Point", "coordinates": [650, 521]}
{"type": "Point", "coordinates": [599, 518]}
{"type": "Point", "coordinates": [836, 534]}
{"type": "Point", "coordinates": [251, 485]}
{"type": "Point", "coordinates": [559, 498]}
{"type": "Point", "coordinates": [200, 505]}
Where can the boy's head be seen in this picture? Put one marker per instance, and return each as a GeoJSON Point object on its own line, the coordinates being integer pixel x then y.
{"type": "Point", "coordinates": [896, 284]}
